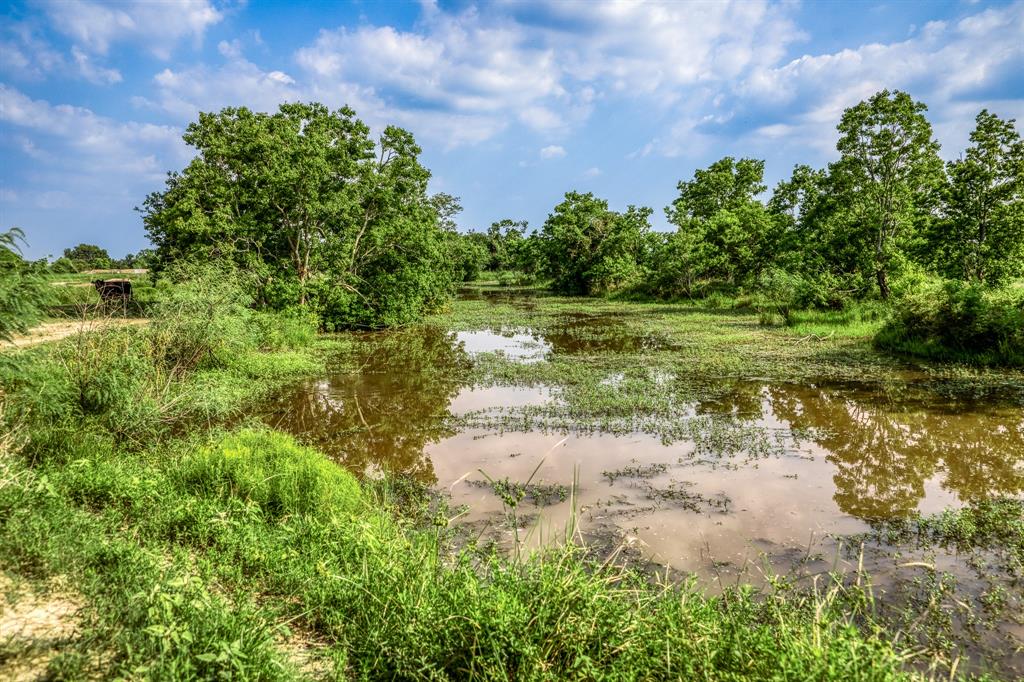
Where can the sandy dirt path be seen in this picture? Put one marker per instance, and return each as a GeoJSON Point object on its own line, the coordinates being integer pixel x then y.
{"type": "Point", "coordinates": [54, 331]}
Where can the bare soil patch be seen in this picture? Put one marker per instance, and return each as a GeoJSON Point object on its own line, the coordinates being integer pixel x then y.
{"type": "Point", "coordinates": [55, 331]}
{"type": "Point", "coordinates": [34, 627]}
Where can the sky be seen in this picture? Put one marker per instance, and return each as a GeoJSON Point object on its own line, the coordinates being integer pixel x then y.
{"type": "Point", "coordinates": [514, 103]}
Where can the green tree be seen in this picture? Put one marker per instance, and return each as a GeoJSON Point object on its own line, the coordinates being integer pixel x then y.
{"type": "Point", "coordinates": [982, 236]}
{"type": "Point", "coordinates": [818, 240]}
{"type": "Point", "coordinates": [504, 238]}
{"type": "Point", "coordinates": [23, 292]}
{"type": "Point", "coordinates": [723, 231]}
{"type": "Point", "coordinates": [588, 248]}
{"type": "Point", "coordinates": [305, 201]}
{"type": "Point", "coordinates": [88, 256]}
{"type": "Point", "coordinates": [888, 173]}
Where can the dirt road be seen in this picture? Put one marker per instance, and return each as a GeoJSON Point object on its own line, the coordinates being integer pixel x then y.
{"type": "Point", "coordinates": [54, 331]}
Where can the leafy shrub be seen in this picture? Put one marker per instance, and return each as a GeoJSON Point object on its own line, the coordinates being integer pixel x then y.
{"type": "Point", "coordinates": [271, 470]}
{"type": "Point", "coordinates": [202, 318]}
{"type": "Point", "coordinates": [286, 330]}
{"type": "Point", "coordinates": [959, 322]}
{"type": "Point", "coordinates": [23, 292]}
{"type": "Point", "coordinates": [63, 266]}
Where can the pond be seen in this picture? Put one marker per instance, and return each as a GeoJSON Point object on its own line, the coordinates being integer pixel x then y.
{"type": "Point", "coordinates": [759, 466]}
{"type": "Point", "coordinates": [726, 478]}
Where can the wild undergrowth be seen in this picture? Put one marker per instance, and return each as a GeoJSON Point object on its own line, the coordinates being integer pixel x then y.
{"type": "Point", "coordinates": [202, 355]}
{"type": "Point", "coordinates": [959, 322]}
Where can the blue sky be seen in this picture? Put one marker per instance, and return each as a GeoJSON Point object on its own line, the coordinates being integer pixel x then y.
{"type": "Point", "coordinates": [514, 103]}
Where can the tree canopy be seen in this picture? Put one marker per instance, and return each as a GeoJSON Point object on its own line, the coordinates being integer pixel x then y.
{"type": "Point", "coordinates": [317, 211]}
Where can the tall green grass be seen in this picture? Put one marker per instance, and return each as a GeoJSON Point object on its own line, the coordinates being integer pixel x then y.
{"type": "Point", "coordinates": [952, 321]}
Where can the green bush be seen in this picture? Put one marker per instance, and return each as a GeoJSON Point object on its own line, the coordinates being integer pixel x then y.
{"type": "Point", "coordinates": [286, 330]}
{"type": "Point", "coordinates": [271, 470]}
{"type": "Point", "coordinates": [201, 319]}
{"type": "Point", "coordinates": [958, 322]}
{"type": "Point", "coordinates": [23, 291]}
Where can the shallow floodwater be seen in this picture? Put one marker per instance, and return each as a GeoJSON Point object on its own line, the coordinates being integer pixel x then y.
{"type": "Point", "coordinates": [768, 469]}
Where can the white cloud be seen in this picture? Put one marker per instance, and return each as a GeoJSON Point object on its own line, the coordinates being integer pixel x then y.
{"type": "Point", "coordinates": [540, 118]}
{"type": "Point", "coordinates": [27, 56]}
{"type": "Point", "coordinates": [947, 65]}
{"type": "Point", "coordinates": [552, 151]}
{"type": "Point", "coordinates": [592, 172]}
{"type": "Point", "coordinates": [92, 72]}
{"type": "Point", "coordinates": [491, 68]}
{"type": "Point", "coordinates": [238, 82]}
{"type": "Point", "coordinates": [156, 26]}
{"type": "Point", "coordinates": [83, 160]}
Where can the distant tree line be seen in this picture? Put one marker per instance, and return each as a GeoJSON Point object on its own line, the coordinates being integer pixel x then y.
{"type": "Point", "coordinates": [887, 208]}
{"type": "Point", "coordinates": [318, 214]}
{"type": "Point", "coordinates": [91, 257]}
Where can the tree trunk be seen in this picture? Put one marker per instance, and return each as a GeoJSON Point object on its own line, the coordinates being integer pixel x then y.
{"type": "Point", "coordinates": [883, 283]}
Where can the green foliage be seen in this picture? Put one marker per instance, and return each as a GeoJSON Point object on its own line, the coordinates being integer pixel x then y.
{"type": "Point", "coordinates": [468, 256]}
{"type": "Point", "coordinates": [63, 266]}
{"type": "Point", "coordinates": [318, 213]}
{"type": "Point", "coordinates": [589, 249]}
{"type": "Point", "coordinates": [195, 359]}
{"type": "Point", "coordinates": [272, 471]}
{"type": "Point", "coordinates": [505, 241]}
{"type": "Point", "coordinates": [780, 293]}
{"type": "Point", "coordinates": [201, 319]}
{"type": "Point", "coordinates": [88, 257]}
{"type": "Point", "coordinates": [23, 291]}
{"type": "Point", "coordinates": [723, 231]}
{"type": "Point", "coordinates": [960, 322]}
{"type": "Point", "coordinates": [981, 237]}
{"type": "Point", "coordinates": [888, 174]}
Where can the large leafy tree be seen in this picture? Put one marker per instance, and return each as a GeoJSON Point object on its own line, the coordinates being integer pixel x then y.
{"type": "Point", "coordinates": [588, 248]}
{"type": "Point", "coordinates": [982, 235]}
{"type": "Point", "coordinates": [86, 256]}
{"type": "Point", "coordinates": [888, 175]}
{"type": "Point", "coordinates": [504, 239]}
{"type": "Point", "coordinates": [723, 231]}
{"type": "Point", "coordinates": [308, 203]}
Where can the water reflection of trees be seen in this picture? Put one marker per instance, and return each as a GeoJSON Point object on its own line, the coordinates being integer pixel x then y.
{"type": "Point", "coordinates": [386, 411]}
{"type": "Point", "coordinates": [886, 446]}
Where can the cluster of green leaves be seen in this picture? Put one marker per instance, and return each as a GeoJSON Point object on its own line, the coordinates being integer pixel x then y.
{"type": "Point", "coordinates": [505, 250]}
{"type": "Point", "coordinates": [958, 321]}
{"type": "Point", "coordinates": [319, 213]}
{"type": "Point", "coordinates": [589, 249]}
{"type": "Point", "coordinates": [23, 290]}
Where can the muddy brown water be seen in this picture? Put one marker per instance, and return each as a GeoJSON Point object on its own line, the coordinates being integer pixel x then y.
{"type": "Point", "coordinates": [772, 477]}
{"type": "Point", "coordinates": [826, 459]}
